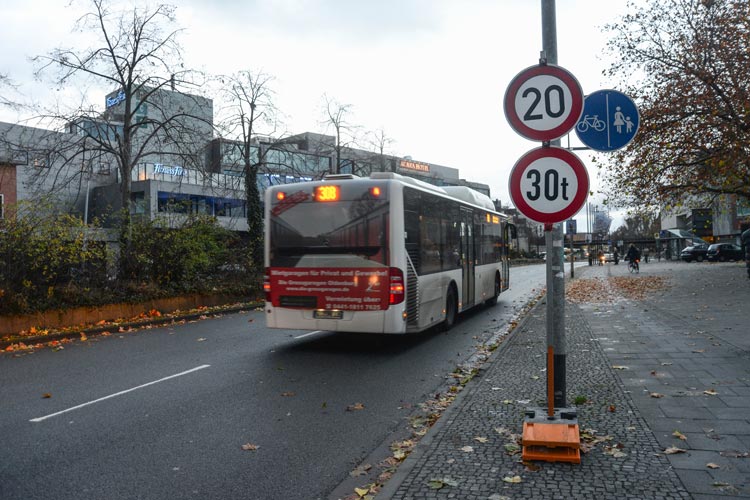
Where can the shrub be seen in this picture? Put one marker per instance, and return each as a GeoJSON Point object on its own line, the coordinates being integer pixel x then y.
{"type": "Point", "coordinates": [49, 260]}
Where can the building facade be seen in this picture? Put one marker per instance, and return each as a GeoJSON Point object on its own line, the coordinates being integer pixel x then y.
{"type": "Point", "coordinates": [188, 171]}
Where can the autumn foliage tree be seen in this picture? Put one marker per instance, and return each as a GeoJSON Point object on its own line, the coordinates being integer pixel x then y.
{"type": "Point", "coordinates": [685, 62]}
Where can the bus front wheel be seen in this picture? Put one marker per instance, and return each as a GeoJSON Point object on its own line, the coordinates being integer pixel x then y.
{"type": "Point", "coordinates": [451, 309]}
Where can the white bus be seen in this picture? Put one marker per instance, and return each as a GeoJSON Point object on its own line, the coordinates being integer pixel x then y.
{"type": "Point", "coordinates": [384, 254]}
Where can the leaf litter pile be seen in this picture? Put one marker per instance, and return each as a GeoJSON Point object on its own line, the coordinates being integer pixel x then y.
{"type": "Point", "coordinates": [614, 288]}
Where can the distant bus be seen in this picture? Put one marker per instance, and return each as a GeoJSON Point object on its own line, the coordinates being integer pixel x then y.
{"type": "Point", "coordinates": [384, 254]}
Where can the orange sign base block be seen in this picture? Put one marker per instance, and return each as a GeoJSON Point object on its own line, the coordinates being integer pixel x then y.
{"type": "Point", "coordinates": [552, 439]}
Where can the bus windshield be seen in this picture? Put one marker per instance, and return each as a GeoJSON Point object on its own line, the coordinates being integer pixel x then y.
{"type": "Point", "coordinates": [348, 233]}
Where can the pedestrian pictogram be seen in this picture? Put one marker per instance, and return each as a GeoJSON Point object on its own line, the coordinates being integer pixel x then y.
{"type": "Point", "coordinates": [609, 120]}
{"type": "Point", "coordinates": [543, 102]}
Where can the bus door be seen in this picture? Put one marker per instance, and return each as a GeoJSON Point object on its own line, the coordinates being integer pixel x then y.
{"type": "Point", "coordinates": [467, 256]}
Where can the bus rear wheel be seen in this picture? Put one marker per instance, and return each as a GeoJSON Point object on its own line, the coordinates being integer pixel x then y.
{"type": "Point", "coordinates": [451, 309]}
{"type": "Point", "coordinates": [493, 300]}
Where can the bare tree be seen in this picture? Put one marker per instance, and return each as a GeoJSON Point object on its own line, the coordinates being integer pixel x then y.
{"type": "Point", "coordinates": [6, 87]}
{"type": "Point", "coordinates": [336, 116]}
{"type": "Point", "coordinates": [138, 57]}
{"type": "Point", "coordinates": [381, 143]}
{"type": "Point", "coordinates": [246, 105]}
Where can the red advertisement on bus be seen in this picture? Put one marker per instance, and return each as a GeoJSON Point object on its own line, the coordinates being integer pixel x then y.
{"type": "Point", "coordinates": [348, 289]}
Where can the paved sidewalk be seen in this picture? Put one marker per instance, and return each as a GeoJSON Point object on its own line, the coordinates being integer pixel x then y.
{"type": "Point", "coordinates": [668, 371]}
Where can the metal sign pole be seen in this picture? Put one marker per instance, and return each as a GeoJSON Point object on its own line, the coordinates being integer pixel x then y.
{"type": "Point", "coordinates": [552, 435]}
{"type": "Point", "coordinates": [555, 338]}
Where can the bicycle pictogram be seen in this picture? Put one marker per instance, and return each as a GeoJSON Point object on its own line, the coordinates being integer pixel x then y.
{"type": "Point", "coordinates": [592, 121]}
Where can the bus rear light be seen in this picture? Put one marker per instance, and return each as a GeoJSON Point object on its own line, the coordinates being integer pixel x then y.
{"type": "Point", "coordinates": [375, 191]}
{"type": "Point", "coordinates": [267, 286]}
{"type": "Point", "coordinates": [396, 294]}
{"type": "Point", "coordinates": [280, 195]}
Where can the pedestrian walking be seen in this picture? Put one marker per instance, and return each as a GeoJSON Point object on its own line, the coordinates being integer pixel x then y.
{"type": "Point", "coordinates": [646, 251]}
{"type": "Point", "coordinates": [745, 237]}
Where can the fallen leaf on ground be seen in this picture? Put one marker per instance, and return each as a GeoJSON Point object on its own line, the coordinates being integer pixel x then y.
{"type": "Point", "coordinates": [480, 439]}
{"type": "Point", "coordinates": [710, 392]}
{"type": "Point", "coordinates": [46, 395]}
{"type": "Point", "coordinates": [361, 491]}
{"type": "Point", "coordinates": [513, 479]}
{"type": "Point", "coordinates": [467, 449]}
{"type": "Point", "coordinates": [287, 394]}
{"type": "Point", "coordinates": [679, 435]}
{"type": "Point", "coordinates": [442, 482]}
{"type": "Point", "coordinates": [361, 470]}
{"type": "Point", "coordinates": [531, 466]}
{"type": "Point", "coordinates": [656, 395]}
{"type": "Point", "coordinates": [619, 367]}
{"type": "Point", "coordinates": [712, 465]}
{"type": "Point", "coordinates": [202, 339]}
{"type": "Point", "coordinates": [355, 407]}
{"type": "Point", "coordinates": [512, 448]}
{"type": "Point", "coordinates": [401, 449]}
{"type": "Point", "coordinates": [250, 447]}
{"type": "Point", "coordinates": [614, 451]}
{"type": "Point", "coordinates": [673, 449]}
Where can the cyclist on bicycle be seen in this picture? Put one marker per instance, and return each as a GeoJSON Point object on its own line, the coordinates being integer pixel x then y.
{"type": "Point", "coordinates": [633, 255]}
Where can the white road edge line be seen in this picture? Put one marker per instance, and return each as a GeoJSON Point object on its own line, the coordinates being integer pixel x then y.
{"type": "Point", "coordinates": [308, 334]}
{"type": "Point", "coordinates": [39, 419]}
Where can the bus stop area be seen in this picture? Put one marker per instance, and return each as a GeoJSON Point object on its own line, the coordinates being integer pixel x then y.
{"type": "Point", "coordinates": [661, 383]}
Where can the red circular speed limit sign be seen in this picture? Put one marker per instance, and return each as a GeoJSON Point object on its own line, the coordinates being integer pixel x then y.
{"type": "Point", "coordinates": [549, 185]}
{"type": "Point", "coordinates": [543, 102]}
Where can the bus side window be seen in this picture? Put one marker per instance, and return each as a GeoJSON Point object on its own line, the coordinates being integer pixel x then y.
{"type": "Point", "coordinates": [411, 225]}
{"type": "Point", "coordinates": [451, 250]}
{"type": "Point", "coordinates": [430, 237]}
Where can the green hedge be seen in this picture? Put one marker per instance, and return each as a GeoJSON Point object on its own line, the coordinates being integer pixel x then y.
{"type": "Point", "coordinates": [49, 260]}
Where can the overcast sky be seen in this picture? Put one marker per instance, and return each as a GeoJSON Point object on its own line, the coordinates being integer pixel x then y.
{"type": "Point", "coordinates": [430, 73]}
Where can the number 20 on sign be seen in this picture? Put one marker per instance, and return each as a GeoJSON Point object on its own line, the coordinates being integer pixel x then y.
{"type": "Point", "coordinates": [543, 102]}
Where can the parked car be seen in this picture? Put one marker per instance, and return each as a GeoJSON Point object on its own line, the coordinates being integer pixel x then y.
{"type": "Point", "coordinates": [694, 253]}
{"type": "Point", "coordinates": [724, 251]}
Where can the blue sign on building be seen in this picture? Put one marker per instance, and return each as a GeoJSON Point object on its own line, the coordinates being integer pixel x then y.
{"type": "Point", "coordinates": [609, 120]}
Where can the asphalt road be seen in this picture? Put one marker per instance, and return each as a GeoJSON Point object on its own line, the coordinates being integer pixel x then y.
{"type": "Point", "coordinates": [163, 413]}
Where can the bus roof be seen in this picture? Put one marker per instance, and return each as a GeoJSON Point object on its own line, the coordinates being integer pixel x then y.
{"type": "Point", "coordinates": [462, 193]}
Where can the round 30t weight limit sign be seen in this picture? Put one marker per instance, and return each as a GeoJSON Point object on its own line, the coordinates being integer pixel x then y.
{"type": "Point", "coordinates": [549, 185]}
{"type": "Point", "coordinates": [543, 102]}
